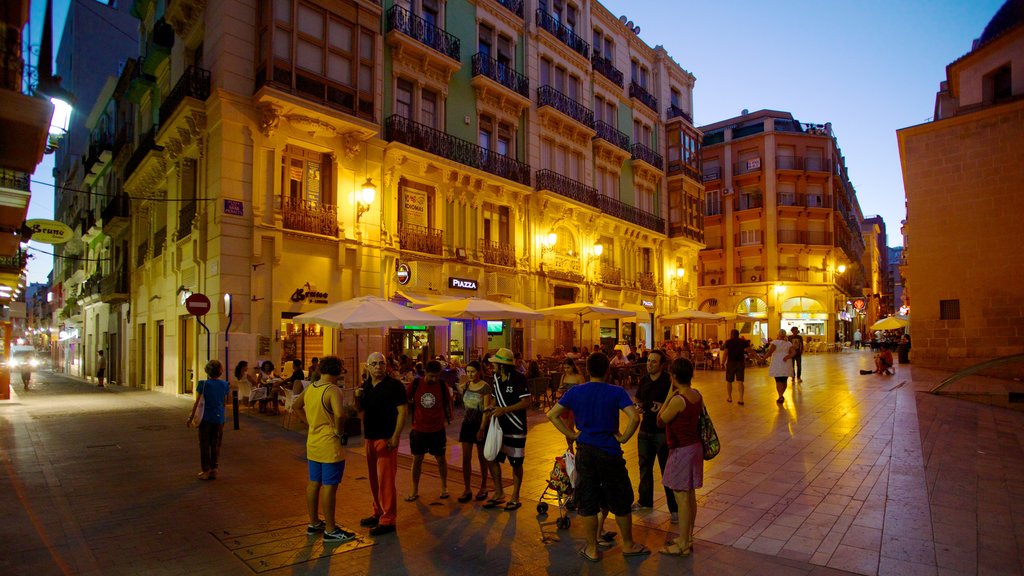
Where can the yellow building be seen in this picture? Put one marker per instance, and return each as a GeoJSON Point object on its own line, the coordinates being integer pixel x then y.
{"type": "Point", "coordinates": [782, 228]}
{"type": "Point", "coordinates": [418, 151]}
{"type": "Point", "coordinates": [962, 173]}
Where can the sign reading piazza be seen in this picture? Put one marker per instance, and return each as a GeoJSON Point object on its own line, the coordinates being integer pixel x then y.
{"type": "Point", "coordinates": [461, 283]}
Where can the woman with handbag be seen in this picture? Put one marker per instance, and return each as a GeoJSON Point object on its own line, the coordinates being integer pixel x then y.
{"type": "Point", "coordinates": [212, 394]}
{"type": "Point", "coordinates": [684, 470]}
{"type": "Point", "coordinates": [477, 396]}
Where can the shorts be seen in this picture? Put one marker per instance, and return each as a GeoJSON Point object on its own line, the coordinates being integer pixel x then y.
{"type": "Point", "coordinates": [326, 473]}
{"type": "Point", "coordinates": [513, 449]}
{"type": "Point", "coordinates": [603, 482]}
{"type": "Point", "coordinates": [432, 443]}
{"type": "Point", "coordinates": [684, 469]}
{"type": "Point", "coordinates": [734, 370]}
{"type": "Point", "coordinates": [101, 372]}
{"type": "Point", "coordinates": [470, 426]}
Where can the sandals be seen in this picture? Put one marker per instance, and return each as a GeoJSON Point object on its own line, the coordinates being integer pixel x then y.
{"type": "Point", "coordinates": [466, 497]}
{"type": "Point", "coordinates": [675, 550]}
{"type": "Point", "coordinates": [513, 505]}
{"type": "Point", "coordinates": [583, 554]}
{"type": "Point", "coordinates": [494, 502]}
{"type": "Point", "coordinates": [641, 551]}
{"type": "Point", "coordinates": [412, 497]}
{"type": "Point", "coordinates": [481, 495]}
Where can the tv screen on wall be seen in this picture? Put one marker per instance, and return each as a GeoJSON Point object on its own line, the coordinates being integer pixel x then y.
{"type": "Point", "coordinates": [494, 326]}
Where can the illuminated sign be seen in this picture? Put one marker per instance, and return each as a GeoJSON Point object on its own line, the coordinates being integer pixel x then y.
{"type": "Point", "coordinates": [858, 304]}
{"type": "Point", "coordinates": [49, 231]}
{"type": "Point", "coordinates": [647, 303]}
{"type": "Point", "coordinates": [309, 295]}
{"type": "Point", "coordinates": [404, 274]}
{"type": "Point", "coordinates": [461, 283]}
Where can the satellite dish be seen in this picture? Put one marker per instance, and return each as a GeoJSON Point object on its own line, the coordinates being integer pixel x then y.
{"type": "Point", "coordinates": [623, 19]}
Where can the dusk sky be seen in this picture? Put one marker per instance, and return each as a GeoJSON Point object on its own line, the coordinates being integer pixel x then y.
{"type": "Point", "coordinates": [869, 67]}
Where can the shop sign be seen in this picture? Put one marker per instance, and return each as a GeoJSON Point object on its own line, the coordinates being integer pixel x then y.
{"type": "Point", "coordinates": [404, 274]}
{"type": "Point", "coordinates": [308, 295]}
{"type": "Point", "coordinates": [647, 303]}
{"type": "Point", "coordinates": [461, 283]}
{"type": "Point", "coordinates": [859, 304]}
{"type": "Point", "coordinates": [49, 231]}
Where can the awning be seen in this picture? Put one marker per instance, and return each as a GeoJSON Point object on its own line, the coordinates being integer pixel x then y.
{"type": "Point", "coordinates": [421, 299]}
{"type": "Point", "coordinates": [642, 313]}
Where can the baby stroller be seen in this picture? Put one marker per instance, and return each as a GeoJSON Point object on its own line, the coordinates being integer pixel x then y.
{"type": "Point", "coordinates": [561, 481]}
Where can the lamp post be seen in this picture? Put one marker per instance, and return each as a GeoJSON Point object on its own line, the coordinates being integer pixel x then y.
{"type": "Point", "coordinates": [227, 363]}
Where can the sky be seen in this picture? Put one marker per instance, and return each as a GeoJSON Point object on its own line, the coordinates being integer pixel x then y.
{"type": "Point", "coordinates": [869, 67]}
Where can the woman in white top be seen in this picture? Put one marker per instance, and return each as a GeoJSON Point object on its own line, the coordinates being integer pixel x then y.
{"type": "Point", "coordinates": [781, 368]}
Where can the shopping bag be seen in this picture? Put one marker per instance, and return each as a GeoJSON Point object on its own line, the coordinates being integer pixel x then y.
{"type": "Point", "coordinates": [493, 442]}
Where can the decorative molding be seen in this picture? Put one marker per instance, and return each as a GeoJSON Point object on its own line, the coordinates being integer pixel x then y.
{"type": "Point", "coordinates": [351, 145]}
{"type": "Point", "coordinates": [182, 15]}
{"type": "Point", "coordinates": [270, 118]}
{"type": "Point", "coordinates": [498, 103]}
{"type": "Point", "coordinates": [315, 127]}
{"type": "Point", "coordinates": [418, 65]}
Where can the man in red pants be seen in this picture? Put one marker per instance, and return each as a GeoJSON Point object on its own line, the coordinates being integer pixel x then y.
{"type": "Point", "coordinates": [383, 403]}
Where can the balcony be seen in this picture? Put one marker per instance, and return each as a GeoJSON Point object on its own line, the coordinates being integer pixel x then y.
{"type": "Point", "coordinates": [503, 74]}
{"type": "Point", "coordinates": [815, 164]}
{"type": "Point", "coordinates": [157, 46]}
{"type": "Point", "coordinates": [604, 67]}
{"type": "Point", "coordinates": [631, 214]}
{"type": "Point", "coordinates": [648, 156]}
{"type": "Point", "coordinates": [116, 215]}
{"type": "Point", "coordinates": [15, 180]}
{"type": "Point", "coordinates": [645, 281]}
{"type": "Point", "coordinates": [610, 275]}
{"type": "Point", "coordinates": [747, 166]}
{"type": "Point", "coordinates": [499, 253]}
{"type": "Point", "coordinates": [748, 202]}
{"type": "Point", "coordinates": [101, 151]}
{"type": "Point", "coordinates": [562, 267]}
{"type": "Point", "coordinates": [646, 98]}
{"type": "Point", "coordinates": [712, 174]}
{"type": "Point", "coordinates": [677, 112]}
{"type": "Point", "coordinates": [398, 19]}
{"type": "Point", "coordinates": [186, 218]}
{"type": "Point", "coordinates": [749, 274]}
{"type": "Point", "coordinates": [405, 131]}
{"type": "Point", "coordinates": [194, 84]}
{"type": "Point", "coordinates": [114, 287]}
{"type": "Point", "coordinates": [792, 274]}
{"type": "Point", "coordinates": [805, 237]}
{"type": "Point", "coordinates": [513, 6]}
{"type": "Point", "coordinates": [551, 24]}
{"type": "Point", "coordinates": [611, 135]}
{"type": "Point", "coordinates": [691, 231]}
{"type": "Point", "coordinates": [712, 278]}
{"type": "Point", "coordinates": [548, 96]}
{"type": "Point", "coordinates": [13, 264]}
{"type": "Point", "coordinates": [713, 243]}
{"type": "Point", "coordinates": [309, 216]}
{"type": "Point", "coordinates": [788, 162]}
{"type": "Point", "coordinates": [749, 238]}
{"type": "Point", "coordinates": [142, 253]}
{"type": "Point", "coordinates": [421, 239]}
{"type": "Point", "coordinates": [571, 189]}
{"type": "Point", "coordinates": [139, 82]}
{"type": "Point", "coordinates": [159, 241]}
{"type": "Point", "coordinates": [147, 148]}
{"type": "Point", "coordinates": [91, 287]}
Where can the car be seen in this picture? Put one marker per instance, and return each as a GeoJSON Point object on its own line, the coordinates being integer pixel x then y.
{"type": "Point", "coordinates": [22, 357]}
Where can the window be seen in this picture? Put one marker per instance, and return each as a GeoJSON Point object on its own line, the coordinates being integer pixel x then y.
{"type": "Point", "coordinates": [426, 109]}
{"type": "Point", "coordinates": [949, 309]}
{"type": "Point", "coordinates": [305, 177]}
{"type": "Point", "coordinates": [495, 136]}
{"type": "Point", "coordinates": [638, 73]}
{"type": "Point", "coordinates": [327, 55]}
{"type": "Point", "coordinates": [496, 223]}
{"type": "Point", "coordinates": [403, 98]}
{"type": "Point", "coordinates": [486, 35]}
{"type": "Point", "coordinates": [603, 45]}
{"type": "Point", "coordinates": [997, 85]}
{"type": "Point", "coordinates": [645, 260]}
{"type": "Point", "coordinates": [675, 98]}
{"type": "Point", "coordinates": [713, 203]}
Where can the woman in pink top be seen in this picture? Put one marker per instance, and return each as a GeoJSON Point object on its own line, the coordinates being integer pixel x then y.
{"type": "Point", "coordinates": [684, 471]}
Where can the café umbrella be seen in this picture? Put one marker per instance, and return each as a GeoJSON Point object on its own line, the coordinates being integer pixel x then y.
{"type": "Point", "coordinates": [482, 309]}
{"type": "Point", "coordinates": [890, 323]}
{"type": "Point", "coordinates": [585, 311]}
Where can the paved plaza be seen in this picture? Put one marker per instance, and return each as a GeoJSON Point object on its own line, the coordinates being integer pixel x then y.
{"type": "Point", "coordinates": [853, 474]}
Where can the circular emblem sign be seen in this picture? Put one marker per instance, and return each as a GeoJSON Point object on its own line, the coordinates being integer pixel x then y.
{"type": "Point", "coordinates": [49, 231]}
{"type": "Point", "coordinates": [403, 274]}
{"type": "Point", "coordinates": [197, 304]}
{"type": "Point", "coordinates": [858, 303]}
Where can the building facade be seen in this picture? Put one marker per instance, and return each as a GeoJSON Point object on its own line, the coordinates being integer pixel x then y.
{"type": "Point", "coordinates": [962, 174]}
{"type": "Point", "coordinates": [782, 228]}
{"type": "Point", "coordinates": [418, 151]}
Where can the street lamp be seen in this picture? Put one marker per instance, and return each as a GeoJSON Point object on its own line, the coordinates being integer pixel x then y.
{"type": "Point", "coordinates": [365, 197]}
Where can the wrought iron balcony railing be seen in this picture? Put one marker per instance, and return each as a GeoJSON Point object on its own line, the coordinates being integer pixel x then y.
{"type": "Point", "coordinates": [677, 112]}
{"type": "Point", "coordinates": [114, 287]}
{"type": "Point", "coordinates": [555, 182]}
{"type": "Point", "coordinates": [500, 253]}
{"type": "Point", "coordinates": [612, 135]}
{"type": "Point", "coordinates": [548, 22]}
{"type": "Point", "coordinates": [610, 274]}
{"type": "Point", "coordinates": [401, 129]}
{"type": "Point", "coordinates": [632, 214]}
{"type": "Point", "coordinates": [404, 21]}
{"type": "Point", "coordinates": [645, 154]}
{"type": "Point", "coordinates": [194, 83]}
{"type": "Point", "coordinates": [309, 216]}
{"type": "Point", "coordinates": [186, 217]}
{"type": "Point", "coordinates": [14, 180]}
{"type": "Point", "coordinates": [15, 262]}
{"type": "Point", "coordinates": [548, 96]}
{"type": "Point", "coordinates": [484, 65]}
{"type": "Point", "coordinates": [640, 93]}
{"type": "Point", "coordinates": [604, 67]}
{"type": "Point", "coordinates": [513, 6]}
{"type": "Point", "coordinates": [421, 239]}
{"type": "Point", "coordinates": [645, 281]}
{"type": "Point", "coordinates": [118, 207]}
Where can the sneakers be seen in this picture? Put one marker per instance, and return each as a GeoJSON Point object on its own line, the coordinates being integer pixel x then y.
{"type": "Point", "coordinates": [382, 529]}
{"type": "Point", "coordinates": [369, 521]}
{"type": "Point", "coordinates": [339, 536]}
{"type": "Point", "coordinates": [675, 518]}
{"type": "Point", "coordinates": [315, 528]}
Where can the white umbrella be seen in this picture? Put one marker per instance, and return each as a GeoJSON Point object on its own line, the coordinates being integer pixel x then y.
{"type": "Point", "coordinates": [690, 317]}
{"type": "Point", "coordinates": [368, 312]}
{"type": "Point", "coordinates": [481, 309]}
{"type": "Point", "coordinates": [585, 311]}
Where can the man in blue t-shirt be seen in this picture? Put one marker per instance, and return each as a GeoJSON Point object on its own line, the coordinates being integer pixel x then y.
{"type": "Point", "coordinates": [603, 479]}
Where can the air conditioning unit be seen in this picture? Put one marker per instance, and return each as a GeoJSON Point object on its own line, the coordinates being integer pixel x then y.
{"type": "Point", "coordinates": [501, 284]}
{"type": "Point", "coordinates": [727, 192]}
{"type": "Point", "coordinates": [713, 281]}
{"type": "Point", "coordinates": [755, 277]}
{"type": "Point", "coordinates": [425, 276]}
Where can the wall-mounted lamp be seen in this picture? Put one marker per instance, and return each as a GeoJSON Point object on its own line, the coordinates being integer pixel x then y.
{"type": "Point", "coordinates": [547, 242]}
{"type": "Point", "coordinates": [365, 197]}
{"type": "Point", "coordinates": [680, 272]}
{"type": "Point", "coordinates": [183, 293]}
{"type": "Point", "coordinates": [598, 250]}
{"type": "Point", "coordinates": [841, 268]}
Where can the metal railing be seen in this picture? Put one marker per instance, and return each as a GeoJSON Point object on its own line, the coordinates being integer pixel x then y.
{"type": "Point", "coordinates": [15, 262]}
{"type": "Point", "coordinates": [194, 83]}
{"type": "Point", "coordinates": [815, 164]}
{"type": "Point", "coordinates": [403, 130]}
{"type": "Point", "coordinates": [792, 274]}
{"type": "Point", "coordinates": [645, 154]}
{"type": "Point", "coordinates": [612, 135]}
{"type": "Point", "coordinates": [404, 21]}
{"type": "Point", "coordinates": [712, 278]}
{"type": "Point", "coordinates": [555, 182]}
{"type": "Point", "coordinates": [309, 216]}
{"type": "Point", "coordinates": [549, 23]}
{"type": "Point", "coordinates": [713, 174]}
{"type": "Point", "coordinates": [500, 253]}
{"type": "Point", "coordinates": [114, 284]}
{"type": "Point", "coordinates": [631, 214]}
{"type": "Point", "coordinates": [186, 217]}
{"type": "Point", "coordinates": [15, 180]}
{"type": "Point", "coordinates": [611, 274]}
{"type": "Point", "coordinates": [677, 112]}
{"type": "Point", "coordinates": [645, 281]}
{"type": "Point", "coordinates": [604, 67]}
{"type": "Point", "coordinates": [513, 6]}
{"type": "Point", "coordinates": [748, 201]}
{"type": "Point", "coordinates": [788, 162]}
{"type": "Point", "coordinates": [748, 238]}
{"type": "Point", "coordinates": [118, 207]}
{"type": "Point", "coordinates": [640, 93]}
{"type": "Point", "coordinates": [548, 96]}
{"type": "Point", "coordinates": [421, 239]}
{"type": "Point", "coordinates": [484, 65]}
{"type": "Point", "coordinates": [747, 166]}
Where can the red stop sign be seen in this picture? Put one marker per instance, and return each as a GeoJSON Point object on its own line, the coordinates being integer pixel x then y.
{"type": "Point", "coordinates": [197, 304]}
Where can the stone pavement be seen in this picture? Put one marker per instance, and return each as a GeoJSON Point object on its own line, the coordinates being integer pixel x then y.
{"type": "Point", "coordinates": [853, 474]}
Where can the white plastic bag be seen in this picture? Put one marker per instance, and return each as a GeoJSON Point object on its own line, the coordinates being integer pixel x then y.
{"type": "Point", "coordinates": [570, 468]}
{"type": "Point", "coordinates": [492, 444]}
